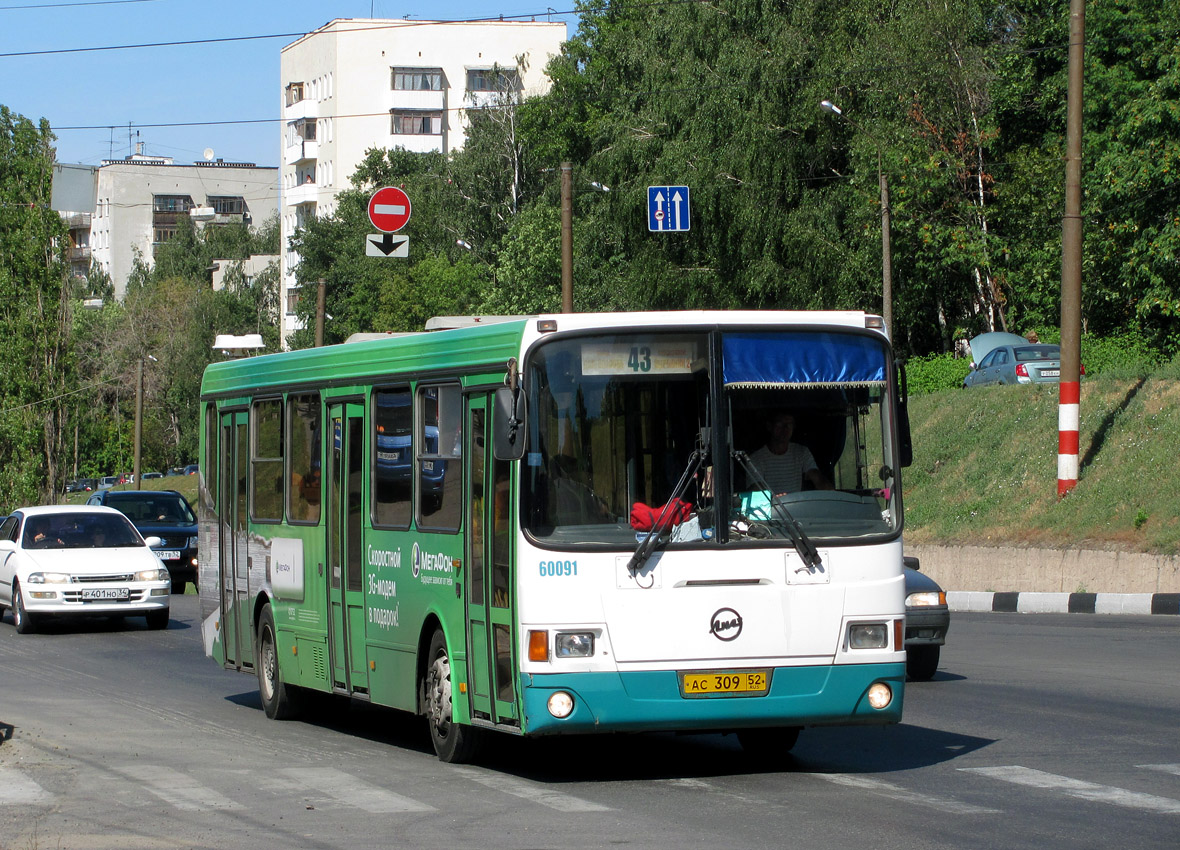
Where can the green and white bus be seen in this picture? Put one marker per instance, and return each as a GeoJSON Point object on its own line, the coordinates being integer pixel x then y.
{"type": "Point", "coordinates": [563, 524]}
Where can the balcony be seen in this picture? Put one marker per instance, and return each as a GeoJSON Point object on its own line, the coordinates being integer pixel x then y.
{"type": "Point", "coordinates": [301, 109]}
{"type": "Point", "coordinates": [302, 151]}
{"type": "Point", "coordinates": [304, 193]}
{"type": "Point", "coordinates": [79, 253]}
{"type": "Point", "coordinates": [432, 100]}
{"type": "Point", "coordinates": [81, 221]}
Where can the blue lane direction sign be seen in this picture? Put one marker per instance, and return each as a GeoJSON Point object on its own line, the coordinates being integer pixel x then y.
{"type": "Point", "coordinates": [667, 208]}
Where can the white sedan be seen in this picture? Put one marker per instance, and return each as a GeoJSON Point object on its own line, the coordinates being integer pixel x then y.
{"type": "Point", "coordinates": [79, 560]}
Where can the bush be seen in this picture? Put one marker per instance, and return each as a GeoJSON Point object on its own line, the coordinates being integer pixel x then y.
{"type": "Point", "coordinates": [1126, 355]}
{"type": "Point", "coordinates": [935, 372]}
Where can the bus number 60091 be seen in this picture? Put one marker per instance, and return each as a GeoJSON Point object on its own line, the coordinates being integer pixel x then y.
{"type": "Point", "coordinates": [559, 568]}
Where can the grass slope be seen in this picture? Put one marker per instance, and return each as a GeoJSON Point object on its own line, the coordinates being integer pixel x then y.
{"type": "Point", "coordinates": [985, 466]}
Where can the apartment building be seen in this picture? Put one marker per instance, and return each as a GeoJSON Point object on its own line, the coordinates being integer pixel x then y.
{"type": "Point", "coordinates": [357, 84]}
{"type": "Point", "coordinates": [141, 199]}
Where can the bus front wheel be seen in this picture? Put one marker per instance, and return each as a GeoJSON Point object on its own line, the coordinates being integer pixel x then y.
{"type": "Point", "coordinates": [454, 743]}
{"type": "Point", "coordinates": [280, 701]}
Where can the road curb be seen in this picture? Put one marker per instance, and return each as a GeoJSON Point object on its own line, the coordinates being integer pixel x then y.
{"type": "Point", "coordinates": [1063, 603]}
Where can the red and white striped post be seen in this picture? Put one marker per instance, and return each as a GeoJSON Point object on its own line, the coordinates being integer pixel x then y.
{"type": "Point", "coordinates": [1067, 436]}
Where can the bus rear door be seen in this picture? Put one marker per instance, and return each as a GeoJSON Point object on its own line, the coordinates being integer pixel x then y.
{"type": "Point", "coordinates": [344, 528]}
{"type": "Point", "coordinates": [237, 634]}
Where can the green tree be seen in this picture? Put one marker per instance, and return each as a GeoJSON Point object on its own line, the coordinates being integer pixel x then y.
{"type": "Point", "coordinates": [34, 316]}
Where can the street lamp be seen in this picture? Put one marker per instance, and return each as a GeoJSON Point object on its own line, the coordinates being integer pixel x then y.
{"type": "Point", "coordinates": [886, 226]}
{"type": "Point", "coordinates": [139, 416]}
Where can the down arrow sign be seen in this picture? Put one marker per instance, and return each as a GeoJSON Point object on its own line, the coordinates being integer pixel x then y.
{"type": "Point", "coordinates": [388, 244]}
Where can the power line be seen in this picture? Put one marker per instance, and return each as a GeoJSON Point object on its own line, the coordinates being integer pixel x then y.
{"type": "Point", "coordinates": [68, 5]}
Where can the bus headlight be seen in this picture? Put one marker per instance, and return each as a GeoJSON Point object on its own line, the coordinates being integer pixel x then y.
{"type": "Point", "coordinates": [868, 636]}
{"type": "Point", "coordinates": [561, 704]}
{"type": "Point", "coordinates": [880, 695]}
{"type": "Point", "coordinates": [573, 645]}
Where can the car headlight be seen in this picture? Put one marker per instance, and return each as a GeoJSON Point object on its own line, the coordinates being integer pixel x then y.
{"type": "Point", "coordinates": [868, 636]}
{"type": "Point", "coordinates": [49, 578]}
{"type": "Point", "coordinates": [191, 544]}
{"type": "Point", "coordinates": [925, 598]}
{"type": "Point", "coordinates": [152, 575]}
{"type": "Point", "coordinates": [573, 645]}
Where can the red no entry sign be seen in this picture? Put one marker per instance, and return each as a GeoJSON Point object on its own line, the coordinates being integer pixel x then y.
{"type": "Point", "coordinates": [389, 209]}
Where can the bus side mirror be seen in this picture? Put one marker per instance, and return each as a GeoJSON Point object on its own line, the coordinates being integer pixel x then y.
{"type": "Point", "coordinates": [508, 424]}
{"type": "Point", "coordinates": [904, 443]}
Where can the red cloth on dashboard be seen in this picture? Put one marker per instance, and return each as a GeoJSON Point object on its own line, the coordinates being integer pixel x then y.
{"type": "Point", "coordinates": [643, 517]}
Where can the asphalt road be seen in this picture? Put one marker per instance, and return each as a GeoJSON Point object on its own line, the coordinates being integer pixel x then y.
{"type": "Point", "coordinates": [1039, 731]}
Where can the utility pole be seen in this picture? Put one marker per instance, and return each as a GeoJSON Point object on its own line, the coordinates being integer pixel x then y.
{"type": "Point", "coordinates": [567, 238]}
{"type": "Point", "coordinates": [1068, 416]}
{"type": "Point", "coordinates": [886, 250]}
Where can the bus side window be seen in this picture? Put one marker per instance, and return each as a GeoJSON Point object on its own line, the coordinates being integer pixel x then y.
{"type": "Point", "coordinates": [303, 438]}
{"type": "Point", "coordinates": [439, 453]}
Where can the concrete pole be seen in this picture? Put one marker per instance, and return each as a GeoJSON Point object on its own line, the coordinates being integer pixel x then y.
{"type": "Point", "coordinates": [320, 295]}
{"type": "Point", "coordinates": [136, 454]}
{"type": "Point", "coordinates": [1068, 416]}
{"type": "Point", "coordinates": [567, 238]}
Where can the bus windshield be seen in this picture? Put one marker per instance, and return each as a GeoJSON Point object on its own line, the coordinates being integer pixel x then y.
{"type": "Point", "coordinates": [618, 421]}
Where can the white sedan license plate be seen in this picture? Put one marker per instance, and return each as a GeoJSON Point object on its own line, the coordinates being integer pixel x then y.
{"type": "Point", "coordinates": [106, 593]}
{"type": "Point", "coordinates": [1050, 373]}
{"type": "Point", "coordinates": [167, 554]}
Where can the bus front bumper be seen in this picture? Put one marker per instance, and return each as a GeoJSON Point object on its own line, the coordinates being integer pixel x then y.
{"type": "Point", "coordinates": [652, 701]}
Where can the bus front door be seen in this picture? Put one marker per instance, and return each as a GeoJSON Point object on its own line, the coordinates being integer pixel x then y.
{"type": "Point", "coordinates": [345, 515]}
{"type": "Point", "coordinates": [491, 665]}
{"type": "Point", "coordinates": [237, 636]}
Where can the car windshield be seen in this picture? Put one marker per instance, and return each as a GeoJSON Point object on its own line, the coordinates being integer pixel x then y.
{"type": "Point", "coordinates": [153, 508]}
{"type": "Point", "coordinates": [1037, 352]}
{"type": "Point", "coordinates": [79, 531]}
{"type": "Point", "coordinates": [622, 438]}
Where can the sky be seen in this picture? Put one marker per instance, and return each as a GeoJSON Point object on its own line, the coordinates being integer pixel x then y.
{"type": "Point", "coordinates": [224, 96]}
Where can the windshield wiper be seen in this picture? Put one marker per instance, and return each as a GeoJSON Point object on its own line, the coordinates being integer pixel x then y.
{"type": "Point", "coordinates": [780, 517]}
{"type": "Point", "coordinates": [648, 544]}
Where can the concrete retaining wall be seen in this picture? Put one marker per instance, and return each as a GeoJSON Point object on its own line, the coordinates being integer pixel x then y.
{"type": "Point", "coordinates": [1011, 569]}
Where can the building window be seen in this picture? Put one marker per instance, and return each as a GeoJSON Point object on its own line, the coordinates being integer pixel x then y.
{"type": "Point", "coordinates": [491, 79]}
{"type": "Point", "coordinates": [294, 93]}
{"type": "Point", "coordinates": [416, 123]}
{"type": "Point", "coordinates": [292, 300]}
{"type": "Point", "coordinates": [171, 203]}
{"type": "Point", "coordinates": [160, 235]}
{"type": "Point", "coordinates": [227, 204]}
{"type": "Point", "coordinates": [417, 79]}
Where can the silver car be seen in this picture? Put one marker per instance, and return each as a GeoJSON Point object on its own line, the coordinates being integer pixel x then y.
{"type": "Point", "coordinates": [1003, 358]}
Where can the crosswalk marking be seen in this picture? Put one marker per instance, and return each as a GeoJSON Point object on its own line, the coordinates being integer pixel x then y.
{"type": "Point", "coordinates": [18, 789]}
{"type": "Point", "coordinates": [177, 789]}
{"type": "Point", "coordinates": [896, 792]}
{"type": "Point", "coordinates": [1077, 788]}
{"type": "Point", "coordinates": [1173, 769]}
{"type": "Point", "coordinates": [532, 791]}
{"type": "Point", "coordinates": [354, 792]}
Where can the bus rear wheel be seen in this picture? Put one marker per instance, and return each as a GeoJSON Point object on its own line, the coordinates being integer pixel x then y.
{"type": "Point", "coordinates": [280, 701]}
{"type": "Point", "coordinates": [453, 742]}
